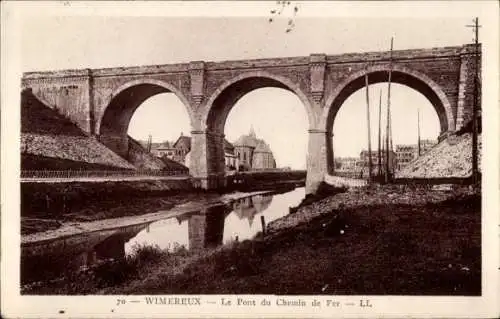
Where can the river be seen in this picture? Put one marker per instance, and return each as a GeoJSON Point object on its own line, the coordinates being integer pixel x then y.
{"type": "Point", "coordinates": [207, 228]}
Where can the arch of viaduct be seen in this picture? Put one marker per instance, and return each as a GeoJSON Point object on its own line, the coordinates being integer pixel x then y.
{"type": "Point", "coordinates": [102, 101]}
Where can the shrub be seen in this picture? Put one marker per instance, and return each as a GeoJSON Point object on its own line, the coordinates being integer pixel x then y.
{"type": "Point", "coordinates": [145, 254]}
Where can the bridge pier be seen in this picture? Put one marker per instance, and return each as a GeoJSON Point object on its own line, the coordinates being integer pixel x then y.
{"type": "Point", "coordinates": [316, 159]}
{"type": "Point", "coordinates": [207, 160]}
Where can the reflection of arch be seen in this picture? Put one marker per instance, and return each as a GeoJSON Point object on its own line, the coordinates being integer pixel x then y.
{"type": "Point", "coordinates": [115, 118]}
{"type": "Point", "coordinates": [114, 245]}
{"type": "Point", "coordinates": [400, 74]}
{"type": "Point", "coordinates": [226, 95]}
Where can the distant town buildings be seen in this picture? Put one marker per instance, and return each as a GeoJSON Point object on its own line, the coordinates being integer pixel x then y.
{"type": "Point", "coordinates": [364, 156]}
{"type": "Point", "coordinates": [247, 153]}
{"type": "Point", "coordinates": [164, 149]}
{"type": "Point", "coordinates": [229, 156]}
{"type": "Point", "coordinates": [347, 164]}
{"type": "Point", "coordinates": [407, 153]}
{"type": "Point", "coordinates": [357, 167]}
{"type": "Point", "coordinates": [182, 147]}
{"type": "Point", "coordinates": [398, 159]}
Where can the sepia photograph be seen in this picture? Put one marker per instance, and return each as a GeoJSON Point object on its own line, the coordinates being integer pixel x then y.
{"type": "Point", "coordinates": [291, 158]}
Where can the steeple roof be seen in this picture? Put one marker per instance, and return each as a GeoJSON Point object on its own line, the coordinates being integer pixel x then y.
{"type": "Point", "coordinates": [246, 140]}
{"type": "Point", "coordinates": [262, 147]}
{"type": "Point", "coordinates": [252, 132]}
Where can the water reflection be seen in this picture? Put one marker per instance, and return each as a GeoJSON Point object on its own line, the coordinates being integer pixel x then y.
{"type": "Point", "coordinates": [204, 229]}
{"type": "Point", "coordinates": [218, 225]}
{"type": "Point", "coordinates": [59, 257]}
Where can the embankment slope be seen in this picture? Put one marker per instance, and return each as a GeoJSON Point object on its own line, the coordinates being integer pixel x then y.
{"type": "Point", "coordinates": [50, 141]}
{"type": "Point", "coordinates": [451, 158]}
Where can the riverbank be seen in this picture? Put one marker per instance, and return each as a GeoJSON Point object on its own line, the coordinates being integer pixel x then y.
{"type": "Point", "coordinates": [50, 206]}
{"type": "Point", "coordinates": [389, 240]}
{"type": "Point", "coordinates": [77, 224]}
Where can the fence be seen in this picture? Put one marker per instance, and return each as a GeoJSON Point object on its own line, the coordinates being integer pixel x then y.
{"type": "Point", "coordinates": [100, 173]}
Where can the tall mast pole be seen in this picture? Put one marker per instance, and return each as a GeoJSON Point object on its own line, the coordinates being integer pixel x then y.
{"type": "Point", "coordinates": [370, 164]}
{"type": "Point", "coordinates": [387, 169]}
{"type": "Point", "coordinates": [379, 133]}
{"type": "Point", "coordinates": [383, 156]}
{"type": "Point", "coordinates": [475, 106]}
{"type": "Point", "coordinates": [148, 147]}
{"type": "Point", "coordinates": [418, 130]}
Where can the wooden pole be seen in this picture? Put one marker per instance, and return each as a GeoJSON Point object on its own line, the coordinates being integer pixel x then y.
{"type": "Point", "coordinates": [379, 173]}
{"type": "Point", "coordinates": [418, 129]}
{"type": "Point", "coordinates": [370, 163]}
{"type": "Point", "coordinates": [475, 107]}
{"type": "Point", "coordinates": [150, 140]}
{"type": "Point", "coordinates": [263, 223]}
{"type": "Point", "coordinates": [383, 156]}
{"type": "Point", "coordinates": [387, 169]}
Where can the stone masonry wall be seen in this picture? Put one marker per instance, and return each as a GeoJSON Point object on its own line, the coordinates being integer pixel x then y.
{"type": "Point", "coordinates": [84, 95]}
{"type": "Point", "coordinates": [68, 92]}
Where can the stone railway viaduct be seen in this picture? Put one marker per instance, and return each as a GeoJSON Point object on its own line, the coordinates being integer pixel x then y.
{"type": "Point", "coordinates": [102, 101]}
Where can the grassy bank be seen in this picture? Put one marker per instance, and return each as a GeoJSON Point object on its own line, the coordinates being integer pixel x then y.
{"type": "Point", "coordinates": [45, 206]}
{"type": "Point", "coordinates": [432, 247]}
{"type": "Point", "coordinates": [264, 180]}
{"type": "Point", "coordinates": [43, 220]}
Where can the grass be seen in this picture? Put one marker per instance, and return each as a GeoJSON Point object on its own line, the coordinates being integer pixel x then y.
{"type": "Point", "coordinates": [324, 190]}
{"type": "Point", "coordinates": [105, 274]}
{"type": "Point", "coordinates": [432, 249]}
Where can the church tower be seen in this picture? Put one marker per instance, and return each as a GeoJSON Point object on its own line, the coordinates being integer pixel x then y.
{"type": "Point", "coordinates": [252, 132]}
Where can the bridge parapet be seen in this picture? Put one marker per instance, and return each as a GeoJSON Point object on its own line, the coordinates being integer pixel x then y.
{"type": "Point", "coordinates": [260, 63]}
{"type": "Point", "coordinates": [102, 101]}
{"type": "Point", "coordinates": [408, 54]}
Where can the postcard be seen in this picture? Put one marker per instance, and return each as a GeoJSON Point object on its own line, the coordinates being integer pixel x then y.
{"type": "Point", "coordinates": [270, 159]}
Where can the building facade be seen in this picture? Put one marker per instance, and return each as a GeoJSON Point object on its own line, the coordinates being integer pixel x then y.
{"type": "Point", "coordinates": [182, 146]}
{"type": "Point", "coordinates": [253, 153]}
{"type": "Point", "coordinates": [346, 164]}
{"type": "Point", "coordinates": [405, 153]}
{"type": "Point", "coordinates": [164, 149]}
{"type": "Point", "coordinates": [357, 167]}
{"type": "Point", "coordinates": [229, 157]}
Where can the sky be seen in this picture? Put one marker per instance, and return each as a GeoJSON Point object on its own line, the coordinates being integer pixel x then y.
{"type": "Point", "coordinates": [84, 41]}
